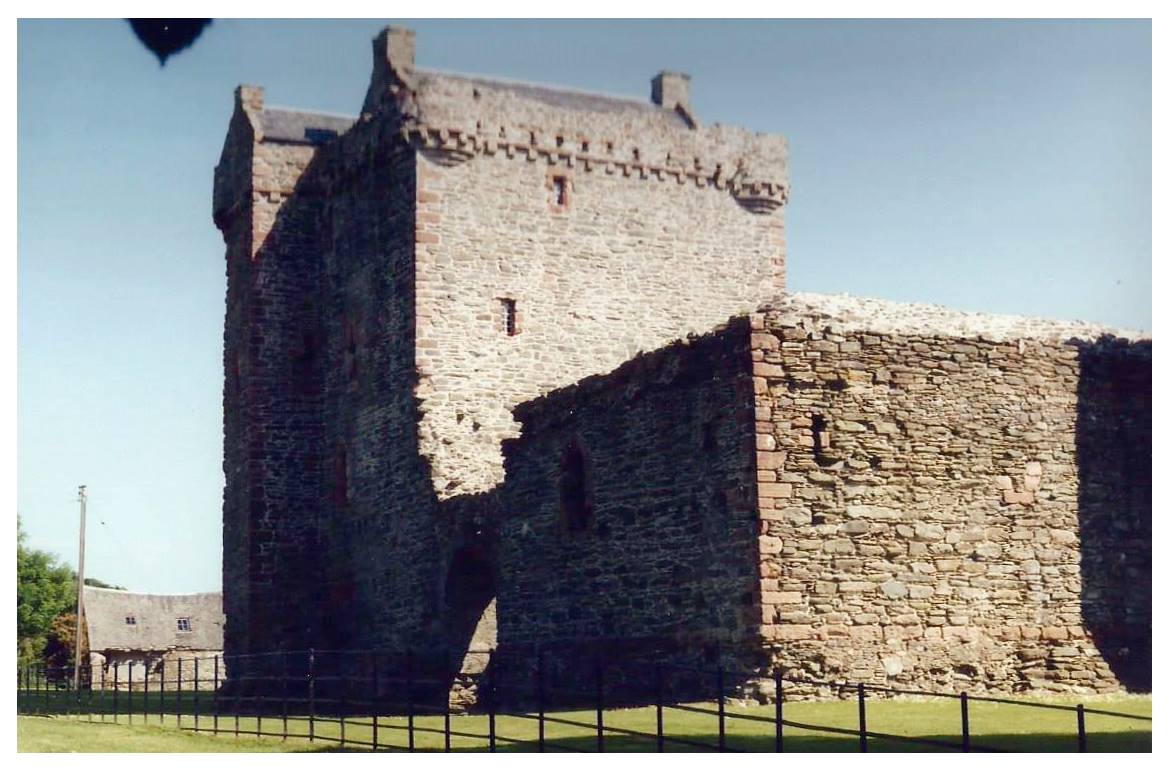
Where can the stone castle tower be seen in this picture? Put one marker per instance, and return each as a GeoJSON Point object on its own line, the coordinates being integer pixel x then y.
{"type": "Point", "coordinates": [400, 281]}
{"type": "Point", "coordinates": [459, 416]}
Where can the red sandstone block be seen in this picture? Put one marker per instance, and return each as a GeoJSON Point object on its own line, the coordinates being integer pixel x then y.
{"type": "Point", "coordinates": [771, 545]}
{"type": "Point", "coordinates": [770, 460]}
{"type": "Point", "coordinates": [775, 490]}
{"type": "Point", "coordinates": [764, 341]}
{"type": "Point", "coordinates": [793, 632]}
{"type": "Point", "coordinates": [764, 369]}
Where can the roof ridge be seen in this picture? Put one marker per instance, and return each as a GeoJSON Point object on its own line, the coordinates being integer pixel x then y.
{"type": "Point", "coordinates": [305, 111]}
{"type": "Point", "coordinates": [111, 590]}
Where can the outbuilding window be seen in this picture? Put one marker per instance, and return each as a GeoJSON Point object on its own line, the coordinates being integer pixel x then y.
{"type": "Point", "coordinates": [184, 624]}
{"type": "Point", "coordinates": [131, 621]}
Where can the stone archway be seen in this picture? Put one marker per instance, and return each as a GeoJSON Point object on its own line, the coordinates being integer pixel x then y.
{"type": "Point", "coordinates": [470, 599]}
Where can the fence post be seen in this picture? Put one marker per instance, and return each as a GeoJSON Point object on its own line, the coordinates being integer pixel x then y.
{"type": "Point", "coordinates": [179, 694]}
{"type": "Point", "coordinates": [285, 698]}
{"type": "Point", "coordinates": [236, 701]}
{"type": "Point", "coordinates": [779, 739]}
{"type": "Point", "coordinates": [599, 706]}
{"type": "Point", "coordinates": [861, 717]}
{"type": "Point", "coordinates": [374, 700]}
{"type": "Point", "coordinates": [1081, 728]}
{"type": "Point", "coordinates": [115, 691]}
{"type": "Point", "coordinates": [658, 707]}
{"type": "Point", "coordinates": [540, 701]}
{"type": "Point", "coordinates": [146, 691]}
{"type": "Point", "coordinates": [720, 702]}
{"type": "Point", "coordinates": [343, 701]}
{"type": "Point", "coordinates": [967, 740]}
{"type": "Point", "coordinates": [410, 683]}
{"type": "Point", "coordinates": [447, 705]}
{"type": "Point", "coordinates": [312, 695]}
{"type": "Point", "coordinates": [87, 680]}
{"type": "Point", "coordinates": [195, 674]}
{"type": "Point", "coordinates": [491, 716]}
{"type": "Point", "coordinates": [130, 692]}
{"type": "Point", "coordinates": [215, 697]}
{"type": "Point", "coordinates": [102, 698]}
{"type": "Point", "coordinates": [162, 690]}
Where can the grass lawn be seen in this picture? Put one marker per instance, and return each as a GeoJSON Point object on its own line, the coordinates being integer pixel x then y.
{"type": "Point", "coordinates": [1000, 726]}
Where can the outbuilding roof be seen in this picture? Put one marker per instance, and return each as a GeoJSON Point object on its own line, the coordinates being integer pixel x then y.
{"type": "Point", "coordinates": [120, 620]}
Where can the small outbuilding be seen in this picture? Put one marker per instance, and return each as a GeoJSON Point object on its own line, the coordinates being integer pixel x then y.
{"type": "Point", "coordinates": [135, 637]}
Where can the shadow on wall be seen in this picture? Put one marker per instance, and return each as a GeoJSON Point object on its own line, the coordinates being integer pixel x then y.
{"type": "Point", "coordinates": [1114, 503]}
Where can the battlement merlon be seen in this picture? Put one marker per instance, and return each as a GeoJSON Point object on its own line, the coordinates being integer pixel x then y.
{"type": "Point", "coordinates": [466, 114]}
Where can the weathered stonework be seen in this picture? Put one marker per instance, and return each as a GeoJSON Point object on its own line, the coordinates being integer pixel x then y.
{"type": "Point", "coordinates": [398, 282]}
{"type": "Point", "coordinates": [843, 486]}
{"type": "Point", "coordinates": [941, 500]}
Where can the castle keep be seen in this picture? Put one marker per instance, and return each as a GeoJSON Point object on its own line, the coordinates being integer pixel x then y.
{"type": "Point", "coordinates": [457, 417]}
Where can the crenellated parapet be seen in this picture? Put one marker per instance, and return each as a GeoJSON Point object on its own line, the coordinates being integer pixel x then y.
{"type": "Point", "coordinates": [453, 118]}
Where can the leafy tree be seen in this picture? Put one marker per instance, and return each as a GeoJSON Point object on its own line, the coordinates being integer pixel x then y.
{"type": "Point", "coordinates": [46, 588]}
{"type": "Point", "coordinates": [59, 642]}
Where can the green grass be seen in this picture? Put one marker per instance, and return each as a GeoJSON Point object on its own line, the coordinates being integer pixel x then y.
{"type": "Point", "coordinates": [1000, 726]}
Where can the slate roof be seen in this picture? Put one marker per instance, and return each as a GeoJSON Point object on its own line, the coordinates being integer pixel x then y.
{"type": "Point", "coordinates": [301, 126]}
{"type": "Point", "coordinates": [156, 616]}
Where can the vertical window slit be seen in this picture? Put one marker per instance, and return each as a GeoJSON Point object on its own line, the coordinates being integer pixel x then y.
{"type": "Point", "coordinates": [508, 310]}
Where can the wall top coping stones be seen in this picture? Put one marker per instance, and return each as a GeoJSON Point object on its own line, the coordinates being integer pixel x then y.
{"type": "Point", "coordinates": [846, 313]}
{"type": "Point", "coordinates": [836, 312]}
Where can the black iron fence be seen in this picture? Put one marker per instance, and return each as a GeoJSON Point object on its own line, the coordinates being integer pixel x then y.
{"type": "Point", "coordinates": [366, 700]}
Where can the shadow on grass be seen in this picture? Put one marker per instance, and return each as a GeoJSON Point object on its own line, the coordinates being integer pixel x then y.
{"type": "Point", "coordinates": [1122, 741]}
{"type": "Point", "coordinates": [429, 733]}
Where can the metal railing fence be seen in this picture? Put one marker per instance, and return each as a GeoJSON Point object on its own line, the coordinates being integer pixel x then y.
{"type": "Point", "coordinates": [384, 701]}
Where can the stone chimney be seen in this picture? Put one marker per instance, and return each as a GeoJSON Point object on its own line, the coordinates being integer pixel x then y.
{"type": "Point", "coordinates": [394, 65]}
{"type": "Point", "coordinates": [249, 98]}
{"type": "Point", "coordinates": [671, 90]}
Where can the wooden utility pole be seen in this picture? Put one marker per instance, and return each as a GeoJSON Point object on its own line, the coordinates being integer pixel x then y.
{"type": "Point", "coordinates": [80, 588]}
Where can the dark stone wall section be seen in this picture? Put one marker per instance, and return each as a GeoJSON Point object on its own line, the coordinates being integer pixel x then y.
{"type": "Point", "coordinates": [1114, 504]}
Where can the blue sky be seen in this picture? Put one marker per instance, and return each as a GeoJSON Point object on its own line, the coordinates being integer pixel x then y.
{"type": "Point", "coordinates": [992, 166]}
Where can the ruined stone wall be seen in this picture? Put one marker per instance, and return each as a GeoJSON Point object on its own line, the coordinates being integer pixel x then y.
{"type": "Point", "coordinates": [369, 369]}
{"type": "Point", "coordinates": [628, 264]}
{"type": "Point", "coordinates": [664, 558]}
{"type": "Point", "coordinates": [158, 670]}
{"type": "Point", "coordinates": [932, 513]}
